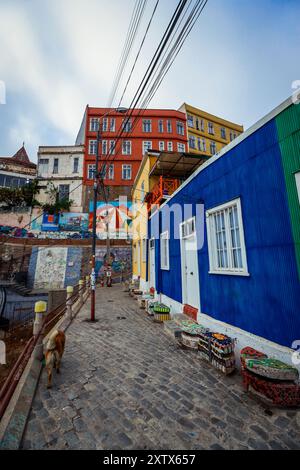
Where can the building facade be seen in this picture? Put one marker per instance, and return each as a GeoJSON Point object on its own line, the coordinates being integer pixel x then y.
{"type": "Point", "coordinates": [62, 168]}
{"type": "Point", "coordinates": [17, 170]}
{"type": "Point", "coordinates": [235, 257]}
{"type": "Point", "coordinates": [208, 134]}
{"type": "Point", "coordinates": [159, 175]}
{"type": "Point", "coordinates": [154, 129]}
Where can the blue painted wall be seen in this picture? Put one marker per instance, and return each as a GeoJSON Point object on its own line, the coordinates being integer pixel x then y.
{"type": "Point", "coordinates": [267, 303]}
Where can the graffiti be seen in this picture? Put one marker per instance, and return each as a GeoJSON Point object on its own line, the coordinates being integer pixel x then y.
{"type": "Point", "coordinates": [120, 260]}
{"type": "Point", "coordinates": [73, 221]}
{"type": "Point", "coordinates": [114, 218]}
{"type": "Point", "coordinates": [51, 268]}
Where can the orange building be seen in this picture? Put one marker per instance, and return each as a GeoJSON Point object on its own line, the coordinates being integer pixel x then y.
{"type": "Point", "coordinates": [155, 129]}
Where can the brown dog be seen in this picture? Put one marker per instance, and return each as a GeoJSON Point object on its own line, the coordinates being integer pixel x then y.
{"type": "Point", "coordinates": [53, 354]}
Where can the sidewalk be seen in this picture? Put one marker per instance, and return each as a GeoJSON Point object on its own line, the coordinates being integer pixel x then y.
{"type": "Point", "coordinates": [124, 384]}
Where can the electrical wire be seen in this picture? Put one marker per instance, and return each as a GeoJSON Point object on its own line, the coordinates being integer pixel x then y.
{"type": "Point", "coordinates": [131, 35]}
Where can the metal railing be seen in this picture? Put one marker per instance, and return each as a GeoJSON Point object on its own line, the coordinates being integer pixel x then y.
{"type": "Point", "coordinates": [11, 382]}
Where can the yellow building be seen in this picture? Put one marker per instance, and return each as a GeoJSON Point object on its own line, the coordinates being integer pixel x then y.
{"type": "Point", "coordinates": [207, 133]}
{"type": "Point", "coordinates": [141, 187]}
{"type": "Point", "coordinates": [159, 175]}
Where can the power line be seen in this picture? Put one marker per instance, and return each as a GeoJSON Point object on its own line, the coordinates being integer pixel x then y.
{"type": "Point", "coordinates": [139, 51]}
{"type": "Point", "coordinates": [131, 35]}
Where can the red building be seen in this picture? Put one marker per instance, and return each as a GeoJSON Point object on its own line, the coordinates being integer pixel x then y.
{"type": "Point", "coordinates": [155, 129]}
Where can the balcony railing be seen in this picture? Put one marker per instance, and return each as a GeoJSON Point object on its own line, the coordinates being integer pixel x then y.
{"type": "Point", "coordinates": [162, 190]}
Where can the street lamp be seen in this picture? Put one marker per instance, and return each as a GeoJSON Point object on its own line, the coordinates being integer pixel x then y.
{"type": "Point", "coordinates": [96, 176]}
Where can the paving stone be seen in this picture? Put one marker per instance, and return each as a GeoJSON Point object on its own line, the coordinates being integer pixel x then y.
{"type": "Point", "coordinates": [126, 385]}
{"type": "Point", "coordinates": [257, 444]}
{"type": "Point", "coordinates": [282, 422]}
{"type": "Point", "coordinates": [258, 430]}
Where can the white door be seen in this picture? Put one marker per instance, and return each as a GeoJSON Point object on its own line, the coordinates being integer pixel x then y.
{"type": "Point", "coordinates": [152, 263]}
{"type": "Point", "coordinates": [189, 265]}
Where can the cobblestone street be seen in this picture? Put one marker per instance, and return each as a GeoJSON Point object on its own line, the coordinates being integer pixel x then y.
{"type": "Point", "coordinates": [124, 384]}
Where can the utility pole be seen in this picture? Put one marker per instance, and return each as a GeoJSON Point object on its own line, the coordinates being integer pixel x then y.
{"type": "Point", "coordinates": [93, 274]}
{"type": "Point", "coordinates": [96, 177]}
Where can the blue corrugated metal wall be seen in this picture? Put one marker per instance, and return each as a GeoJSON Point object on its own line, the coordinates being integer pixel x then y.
{"type": "Point", "coordinates": [268, 302]}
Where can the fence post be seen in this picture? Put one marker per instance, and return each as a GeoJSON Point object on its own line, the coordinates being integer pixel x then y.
{"type": "Point", "coordinates": [87, 282]}
{"type": "Point", "coordinates": [81, 288]}
{"type": "Point", "coordinates": [40, 309]}
{"type": "Point", "coordinates": [69, 302]}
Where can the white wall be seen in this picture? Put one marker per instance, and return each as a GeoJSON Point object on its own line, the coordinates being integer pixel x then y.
{"type": "Point", "coordinates": [242, 337]}
{"type": "Point", "coordinates": [65, 175]}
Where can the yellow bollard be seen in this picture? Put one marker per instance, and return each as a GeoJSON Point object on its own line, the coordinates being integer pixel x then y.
{"type": "Point", "coordinates": [40, 309]}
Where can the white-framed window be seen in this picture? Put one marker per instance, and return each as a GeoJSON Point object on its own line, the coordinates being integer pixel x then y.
{"type": "Point", "coordinates": [126, 172]}
{"type": "Point", "coordinates": [181, 147]}
{"type": "Point", "coordinates": [213, 147]}
{"type": "Point", "coordinates": [187, 228]}
{"type": "Point", "coordinates": [104, 147]}
{"type": "Point", "coordinates": [43, 165]}
{"type": "Point", "coordinates": [223, 132]}
{"type": "Point", "coordinates": [126, 147]}
{"type": "Point", "coordinates": [144, 250]}
{"type": "Point", "coordinates": [203, 144]}
{"type": "Point", "coordinates": [111, 171]}
{"type": "Point", "coordinates": [112, 147]}
{"type": "Point", "coordinates": [202, 127]}
{"type": "Point", "coordinates": [226, 244]}
{"type": "Point", "coordinates": [127, 125]}
{"type": "Point", "coordinates": [161, 146]}
{"type": "Point", "coordinates": [104, 124]}
{"type": "Point", "coordinates": [147, 145]}
{"type": "Point", "coordinates": [75, 164]}
{"type": "Point", "coordinates": [91, 171]}
{"type": "Point", "coordinates": [297, 177]}
{"type": "Point", "coordinates": [92, 147]}
{"type": "Point", "coordinates": [192, 142]}
{"type": "Point", "coordinates": [170, 146]}
{"type": "Point", "coordinates": [180, 128]}
{"type": "Point", "coordinates": [190, 120]}
{"type": "Point", "coordinates": [112, 125]}
{"type": "Point", "coordinates": [147, 125]}
{"type": "Point", "coordinates": [169, 126]}
{"type": "Point", "coordinates": [211, 128]}
{"type": "Point", "coordinates": [232, 136]}
{"type": "Point", "coordinates": [164, 250]}
{"type": "Point", "coordinates": [55, 165]}
{"type": "Point", "coordinates": [94, 124]}
{"type": "Point", "coordinates": [160, 125]}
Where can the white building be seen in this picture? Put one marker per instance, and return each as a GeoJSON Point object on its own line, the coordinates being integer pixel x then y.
{"type": "Point", "coordinates": [63, 167]}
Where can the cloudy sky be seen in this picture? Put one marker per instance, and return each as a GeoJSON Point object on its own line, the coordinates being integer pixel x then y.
{"type": "Point", "coordinates": [56, 56]}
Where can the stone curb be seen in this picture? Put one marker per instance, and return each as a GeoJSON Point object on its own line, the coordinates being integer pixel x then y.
{"type": "Point", "coordinates": [14, 420]}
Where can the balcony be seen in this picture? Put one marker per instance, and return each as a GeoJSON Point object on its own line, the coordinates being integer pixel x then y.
{"type": "Point", "coordinates": [161, 191]}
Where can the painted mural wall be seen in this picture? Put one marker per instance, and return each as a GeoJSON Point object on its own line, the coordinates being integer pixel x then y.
{"type": "Point", "coordinates": [54, 268]}
{"type": "Point", "coordinates": [120, 260]}
{"type": "Point", "coordinates": [117, 215]}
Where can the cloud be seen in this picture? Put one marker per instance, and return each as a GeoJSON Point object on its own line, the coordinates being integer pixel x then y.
{"type": "Point", "coordinates": [59, 55]}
